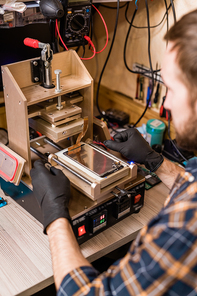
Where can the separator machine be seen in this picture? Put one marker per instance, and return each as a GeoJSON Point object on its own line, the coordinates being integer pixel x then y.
{"type": "Point", "coordinates": [53, 96]}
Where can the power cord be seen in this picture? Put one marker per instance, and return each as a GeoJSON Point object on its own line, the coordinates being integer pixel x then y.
{"type": "Point", "coordinates": [106, 61]}
{"type": "Point", "coordinates": [174, 145]}
{"type": "Point", "coordinates": [113, 7]}
{"type": "Point", "coordinates": [167, 19]}
{"type": "Point", "coordinates": [106, 30]}
{"type": "Point", "coordinates": [125, 44]}
{"type": "Point", "coordinates": [173, 9]}
{"type": "Point", "coordinates": [150, 63]}
{"type": "Point", "coordinates": [126, 40]}
{"type": "Point", "coordinates": [149, 54]}
{"type": "Point", "coordinates": [152, 27]}
{"type": "Point", "coordinates": [144, 72]}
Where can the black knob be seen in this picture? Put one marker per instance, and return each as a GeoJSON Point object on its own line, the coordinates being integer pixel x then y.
{"type": "Point", "coordinates": [52, 9]}
{"type": "Point", "coordinates": [77, 23]}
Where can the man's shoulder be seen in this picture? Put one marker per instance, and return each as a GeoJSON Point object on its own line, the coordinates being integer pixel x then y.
{"type": "Point", "coordinates": [191, 167]}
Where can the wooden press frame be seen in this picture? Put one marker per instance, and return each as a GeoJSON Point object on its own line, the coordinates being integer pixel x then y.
{"type": "Point", "coordinates": [20, 93]}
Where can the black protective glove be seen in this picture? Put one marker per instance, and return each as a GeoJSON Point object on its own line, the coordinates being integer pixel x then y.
{"type": "Point", "coordinates": [52, 190]}
{"type": "Point", "coordinates": [134, 147]}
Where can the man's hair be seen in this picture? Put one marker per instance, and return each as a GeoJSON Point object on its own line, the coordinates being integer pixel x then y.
{"type": "Point", "coordinates": [183, 34]}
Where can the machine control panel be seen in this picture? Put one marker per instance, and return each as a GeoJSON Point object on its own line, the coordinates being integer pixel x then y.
{"type": "Point", "coordinates": [105, 215]}
{"type": "Point", "coordinates": [122, 207]}
{"type": "Point", "coordinates": [98, 221]}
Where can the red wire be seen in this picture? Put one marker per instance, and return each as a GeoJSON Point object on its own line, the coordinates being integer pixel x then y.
{"type": "Point", "coordinates": [105, 29]}
{"type": "Point", "coordinates": [60, 35]}
{"type": "Point", "coordinates": [94, 50]}
{"type": "Point", "coordinates": [101, 144]}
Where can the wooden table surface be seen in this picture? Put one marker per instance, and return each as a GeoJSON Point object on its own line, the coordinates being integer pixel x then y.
{"type": "Point", "coordinates": [25, 260]}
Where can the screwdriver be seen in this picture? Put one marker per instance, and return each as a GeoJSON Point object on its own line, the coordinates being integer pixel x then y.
{"type": "Point", "coordinates": [155, 101]}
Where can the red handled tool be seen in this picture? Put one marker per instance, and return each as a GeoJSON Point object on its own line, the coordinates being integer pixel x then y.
{"type": "Point", "coordinates": [163, 112]}
{"type": "Point", "coordinates": [31, 42]}
{"type": "Point", "coordinates": [41, 68]}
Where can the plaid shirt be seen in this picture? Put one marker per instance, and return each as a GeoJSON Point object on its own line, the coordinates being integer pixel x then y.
{"type": "Point", "coordinates": [163, 258]}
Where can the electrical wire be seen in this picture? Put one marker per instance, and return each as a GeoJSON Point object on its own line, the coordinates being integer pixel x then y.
{"type": "Point", "coordinates": [101, 144]}
{"type": "Point", "coordinates": [84, 49]}
{"type": "Point", "coordinates": [92, 27]}
{"type": "Point", "coordinates": [106, 30]}
{"type": "Point", "coordinates": [167, 19]}
{"type": "Point", "coordinates": [125, 44]}
{"type": "Point", "coordinates": [144, 72]}
{"type": "Point", "coordinates": [136, 4]}
{"type": "Point", "coordinates": [106, 61]}
{"type": "Point", "coordinates": [113, 7]}
{"type": "Point", "coordinates": [145, 27]}
{"type": "Point", "coordinates": [150, 63]}
{"type": "Point", "coordinates": [58, 32]}
{"type": "Point", "coordinates": [173, 9]}
{"type": "Point", "coordinates": [126, 10]}
{"type": "Point", "coordinates": [174, 145]}
{"type": "Point", "coordinates": [92, 45]}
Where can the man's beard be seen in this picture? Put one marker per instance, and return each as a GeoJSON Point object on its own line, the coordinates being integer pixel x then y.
{"type": "Point", "coordinates": [187, 139]}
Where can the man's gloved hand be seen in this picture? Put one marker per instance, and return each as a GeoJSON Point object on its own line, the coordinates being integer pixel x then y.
{"type": "Point", "coordinates": [52, 190]}
{"type": "Point", "coordinates": [134, 147]}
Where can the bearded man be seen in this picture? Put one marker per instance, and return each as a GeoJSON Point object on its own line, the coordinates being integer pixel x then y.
{"type": "Point", "coordinates": [162, 260]}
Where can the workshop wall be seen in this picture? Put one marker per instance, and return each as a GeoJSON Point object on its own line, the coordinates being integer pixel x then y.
{"type": "Point", "coordinates": [116, 77]}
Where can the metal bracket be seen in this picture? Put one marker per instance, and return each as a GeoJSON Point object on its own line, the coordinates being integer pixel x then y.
{"type": "Point", "coordinates": [35, 71]}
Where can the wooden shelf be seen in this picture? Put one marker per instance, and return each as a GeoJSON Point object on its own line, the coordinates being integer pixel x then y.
{"type": "Point", "coordinates": [36, 93]}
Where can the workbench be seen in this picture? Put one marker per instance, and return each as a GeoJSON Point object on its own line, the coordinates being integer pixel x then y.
{"type": "Point", "coordinates": [25, 260]}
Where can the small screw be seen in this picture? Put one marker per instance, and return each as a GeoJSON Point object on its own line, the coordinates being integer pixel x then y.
{"type": "Point", "coordinates": [35, 63]}
{"type": "Point", "coordinates": [36, 79]}
{"type": "Point", "coordinates": [47, 64]}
